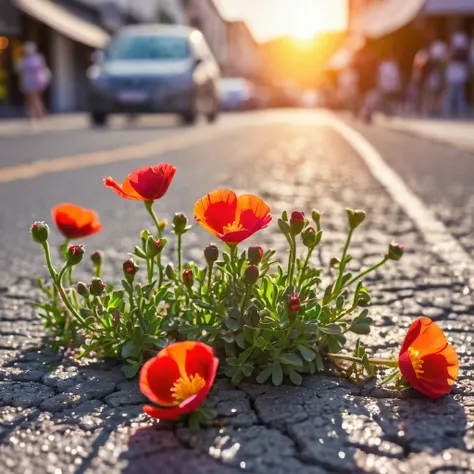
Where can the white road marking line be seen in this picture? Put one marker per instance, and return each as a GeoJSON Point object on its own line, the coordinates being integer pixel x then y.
{"type": "Point", "coordinates": [434, 231]}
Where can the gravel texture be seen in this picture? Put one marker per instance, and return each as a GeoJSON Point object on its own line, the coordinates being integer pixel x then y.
{"type": "Point", "coordinates": [58, 415]}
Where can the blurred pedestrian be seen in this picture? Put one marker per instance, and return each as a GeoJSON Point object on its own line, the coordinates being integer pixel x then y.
{"type": "Point", "coordinates": [389, 85]}
{"type": "Point", "coordinates": [457, 76]}
{"type": "Point", "coordinates": [34, 78]}
{"type": "Point", "coordinates": [366, 66]}
{"type": "Point", "coordinates": [471, 68]}
{"type": "Point", "coordinates": [416, 85]}
{"type": "Point", "coordinates": [435, 77]}
{"type": "Point", "coordinates": [348, 88]}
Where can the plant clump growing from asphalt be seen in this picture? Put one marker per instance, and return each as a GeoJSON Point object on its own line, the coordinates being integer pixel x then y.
{"type": "Point", "coordinates": [265, 317]}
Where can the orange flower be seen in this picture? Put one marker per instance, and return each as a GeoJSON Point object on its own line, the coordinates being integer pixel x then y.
{"type": "Point", "coordinates": [144, 184]}
{"type": "Point", "coordinates": [75, 221]}
{"type": "Point", "coordinates": [230, 218]}
{"type": "Point", "coordinates": [178, 378]}
{"type": "Point", "coordinates": [427, 360]}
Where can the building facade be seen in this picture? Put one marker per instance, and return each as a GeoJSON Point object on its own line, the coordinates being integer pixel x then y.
{"type": "Point", "coordinates": [204, 15]}
{"type": "Point", "coordinates": [244, 54]}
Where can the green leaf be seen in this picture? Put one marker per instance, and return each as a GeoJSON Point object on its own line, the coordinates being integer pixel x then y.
{"type": "Point", "coordinates": [239, 339]}
{"type": "Point", "coordinates": [203, 304]}
{"type": "Point", "coordinates": [291, 359]}
{"type": "Point", "coordinates": [263, 376]}
{"type": "Point", "coordinates": [277, 374]}
{"type": "Point", "coordinates": [250, 334]}
{"type": "Point", "coordinates": [331, 329]}
{"type": "Point", "coordinates": [260, 342]}
{"type": "Point", "coordinates": [307, 353]}
{"type": "Point", "coordinates": [130, 349]}
{"type": "Point", "coordinates": [245, 355]}
{"type": "Point", "coordinates": [233, 361]}
{"type": "Point", "coordinates": [232, 324]}
{"type": "Point", "coordinates": [130, 369]}
{"type": "Point", "coordinates": [247, 369]}
{"type": "Point", "coordinates": [319, 362]}
{"type": "Point", "coordinates": [360, 329]}
{"type": "Point", "coordinates": [295, 377]}
{"type": "Point", "coordinates": [126, 286]}
{"type": "Point", "coordinates": [138, 252]}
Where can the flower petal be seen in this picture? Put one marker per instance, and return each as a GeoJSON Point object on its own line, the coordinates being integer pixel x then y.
{"type": "Point", "coordinates": [251, 209]}
{"type": "Point", "coordinates": [157, 377]}
{"type": "Point", "coordinates": [216, 210]}
{"type": "Point", "coordinates": [75, 221]}
{"type": "Point", "coordinates": [425, 336]}
{"type": "Point", "coordinates": [199, 360]}
{"type": "Point", "coordinates": [151, 183]}
{"type": "Point", "coordinates": [124, 191]}
{"type": "Point", "coordinates": [164, 413]}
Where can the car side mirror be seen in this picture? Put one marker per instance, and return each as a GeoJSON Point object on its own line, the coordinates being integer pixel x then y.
{"type": "Point", "coordinates": [97, 56]}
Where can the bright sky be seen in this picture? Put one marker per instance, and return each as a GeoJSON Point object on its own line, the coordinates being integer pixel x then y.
{"type": "Point", "coordinates": [300, 18]}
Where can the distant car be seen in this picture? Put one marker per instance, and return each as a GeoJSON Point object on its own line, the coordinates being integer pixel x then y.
{"type": "Point", "coordinates": [154, 69]}
{"type": "Point", "coordinates": [236, 93]}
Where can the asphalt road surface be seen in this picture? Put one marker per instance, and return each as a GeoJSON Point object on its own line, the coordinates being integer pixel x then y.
{"type": "Point", "coordinates": [58, 416]}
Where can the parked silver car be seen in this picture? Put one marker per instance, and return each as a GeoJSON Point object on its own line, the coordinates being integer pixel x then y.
{"type": "Point", "coordinates": [154, 69]}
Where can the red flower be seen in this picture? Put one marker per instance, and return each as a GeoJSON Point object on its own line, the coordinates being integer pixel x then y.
{"type": "Point", "coordinates": [178, 378]}
{"type": "Point", "coordinates": [427, 360]}
{"type": "Point", "coordinates": [144, 184]}
{"type": "Point", "coordinates": [75, 222]}
{"type": "Point", "coordinates": [230, 218]}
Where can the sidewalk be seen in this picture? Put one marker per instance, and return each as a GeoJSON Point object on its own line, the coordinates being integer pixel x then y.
{"type": "Point", "coordinates": [457, 132]}
{"type": "Point", "coordinates": [21, 126]}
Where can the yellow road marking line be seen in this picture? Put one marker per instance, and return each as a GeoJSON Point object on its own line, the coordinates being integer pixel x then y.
{"type": "Point", "coordinates": [84, 160]}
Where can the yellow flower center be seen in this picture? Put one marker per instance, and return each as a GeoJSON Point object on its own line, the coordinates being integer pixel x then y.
{"type": "Point", "coordinates": [234, 227]}
{"type": "Point", "coordinates": [186, 387]}
{"type": "Point", "coordinates": [416, 362]}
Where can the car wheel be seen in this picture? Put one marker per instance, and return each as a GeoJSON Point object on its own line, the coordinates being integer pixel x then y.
{"type": "Point", "coordinates": [214, 114]}
{"type": "Point", "coordinates": [98, 119]}
{"type": "Point", "coordinates": [189, 118]}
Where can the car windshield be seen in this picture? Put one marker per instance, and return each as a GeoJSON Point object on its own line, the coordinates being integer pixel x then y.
{"type": "Point", "coordinates": [141, 47]}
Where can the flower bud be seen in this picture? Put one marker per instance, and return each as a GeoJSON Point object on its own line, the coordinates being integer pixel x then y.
{"type": "Point", "coordinates": [316, 216]}
{"type": "Point", "coordinates": [153, 247]}
{"type": "Point", "coordinates": [144, 234]}
{"type": "Point", "coordinates": [253, 317]}
{"type": "Point", "coordinates": [211, 253]}
{"type": "Point", "coordinates": [169, 272]}
{"type": "Point", "coordinates": [296, 222]}
{"type": "Point", "coordinates": [130, 269]}
{"type": "Point", "coordinates": [180, 223]}
{"type": "Point", "coordinates": [395, 251]}
{"type": "Point", "coordinates": [97, 257]}
{"type": "Point", "coordinates": [188, 278]}
{"type": "Point", "coordinates": [363, 298]}
{"type": "Point", "coordinates": [255, 254]}
{"type": "Point", "coordinates": [97, 286]}
{"type": "Point", "coordinates": [251, 275]}
{"type": "Point", "coordinates": [163, 224]}
{"type": "Point", "coordinates": [309, 237]}
{"type": "Point", "coordinates": [82, 289]}
{"type": "Point", "coordinates": [74, 254]}
{"type": "Point", "coordinates": [284, 226]}
{"type": "Point", "coordinates": [116, 317]}
{"type": "Point", "coordinates": [40, 232]}
{"type": "Point", "coordinates": [294, 304]}
{"type": "Point", "coordinates": [356, 217]}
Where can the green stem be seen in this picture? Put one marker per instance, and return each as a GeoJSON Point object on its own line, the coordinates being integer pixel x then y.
{"type": "Point", "coordinates": [98, 271]}
{"type": "Point", "coordinates": [365, 272]}
{"type": "Point", "coordinates": [293, 263]}
{"type": "Point", "coordinates": [248, 293]}
{"type": "Point", "coordinates": [209, 277]}
{"type": "Point", "coordinates": [149, 271]}
{"type": "Point", "coordinates": [358, 360]}
{"type": "Point", "coordinates": [305, 265]}
{"type": "Point", "coordinates": [180, 253]}
{"type": "Point", "coordinates": [149, 208]}
{"type": "Point", "coordinates": [343, 263]}
{"type": "Point", "coordinates": [59, 286]}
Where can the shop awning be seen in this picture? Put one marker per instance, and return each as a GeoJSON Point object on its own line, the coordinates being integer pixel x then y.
{"type": "Point", "coordinates": [388, 16]}
{"type": "Point", "coordinates": [64, 22]}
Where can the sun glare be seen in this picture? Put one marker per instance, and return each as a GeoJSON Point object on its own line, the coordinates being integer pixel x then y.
{"type": "Point", "coordinates": [311, 18]}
